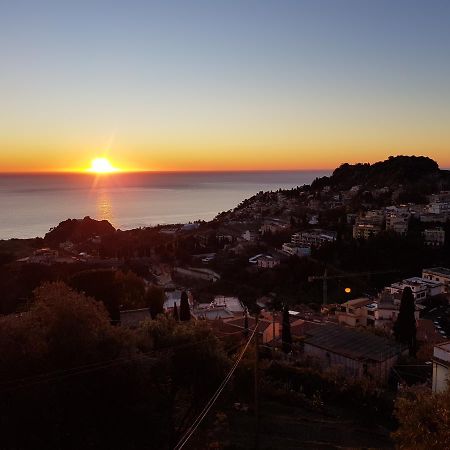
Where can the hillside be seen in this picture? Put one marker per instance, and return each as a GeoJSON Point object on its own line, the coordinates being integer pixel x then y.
{"type": "Point", "coordinates": [78, 230]}
{"type": "Point", "coordinates": [406, 171]}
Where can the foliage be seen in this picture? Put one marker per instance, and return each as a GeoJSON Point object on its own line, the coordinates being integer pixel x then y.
{"type": "Point", "coordinates": [185, 313]}
{"type": "Point", "coordinates": [123, 398]}
{"type": "Point", "coordinates": [405, 325]}
{"type": "Point", "coordinates": [116, 289]}
{"type": "Point", "coordinates": [286, 336]}
{"type": "Point", "coordinates": [155, 298]}
{"type": "Point", "coordinates": [78, 230]}
{"type": "Point", "coordinates": [176, 316]}
{"type": "Point", "coordinates": [424, 419]}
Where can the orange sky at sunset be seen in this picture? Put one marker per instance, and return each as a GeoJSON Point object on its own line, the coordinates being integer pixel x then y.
{"type": "Point", "coordinates": [222, 85]}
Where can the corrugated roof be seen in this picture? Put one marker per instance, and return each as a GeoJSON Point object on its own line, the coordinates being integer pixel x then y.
{"type": "Point", "coordinates": [353, 344]}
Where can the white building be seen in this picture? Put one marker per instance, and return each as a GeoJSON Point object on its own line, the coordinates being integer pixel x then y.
{"type": "Point", "coordinates": [441, 366]}
{"type": "Point", "coordinates": [439, 208]}
{"type": "Point", "coordinates": [420, 287]}
{"type": "Point", "coordinates": [440, 274]}
{"type": "Point", "coordinates": [383, 312]}
{"type": "Point", "coordinates": [434, 236]}
{"type": "Point", "coordinates": [296, 250]}
{"type": "Point", "coordinates": [313, 238]}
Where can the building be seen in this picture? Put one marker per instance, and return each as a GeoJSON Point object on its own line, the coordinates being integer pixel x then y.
{"type": "Point", "coordinates": [440, 274]}
{"type": "Point", "coordinates": [235, 329]}
{"type": "Point", "coordinates": [273, 226]}
{"type": "Point", "coordinates": [383, 312]}
{"type": "Point", "coordinates": [313, 238]}
{"type": "Point", "coordinates": [233, 304]}
{"type": "Point", "coordinates": [250, 236]}
{"type": "Point", "coordinates": [353, 313]}
{"type": "Point", "coordinates": [439, 208]}
{"type": "Point", "coordinates": [434, 236]}
{"type": "Point", "coordinates": [45, 256]}
{"type": "Point", "coordinates": [356, 354]}
{"type": "Point", "coordinates": [198, 273]}
{"type": "Point", "coordinates": [441, 366]}
{"type": "Point", "coordinates": [421, 288]}
{"type": "Point", "coordinates": [398, 222]}
{"type": "Point", "coordinates": [365, 230]}
{"type": "Point", "coordinates": [267, 262]}
{"type": "Point", "coordinates": [296, 250]}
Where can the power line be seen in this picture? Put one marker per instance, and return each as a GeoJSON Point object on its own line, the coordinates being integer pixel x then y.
{"type": "Point", "coordinates": [61, 374]}
{"type": "Point", "coordinates": [191, 430]}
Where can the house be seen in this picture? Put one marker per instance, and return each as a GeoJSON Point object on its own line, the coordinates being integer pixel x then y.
{"type": "Point", "coordinates": [434, 236]}
{"type": "Point", "coordinates": [250, 235]}
{"type": "Point", "coordinates": [354, 353]}
{"type": "Point", "coordinates": [198, 273]}
{"type": "Point", "coordinates": [383, 312]}
{"type": "Point", "coordinates": [212, 313]}
{"type": "Point", "coordinates": [44, 256]}
{"type": "Point", "coordinates": [267, 329]}
{"type": "Point", "coordinates": [440, 274]}
{"type": "Point", "coordinates": [365, 230]}
{"type": "Point", "coordinates": [441, 366]}
{"type": "Point", "coordinates": [353, 312]}
{"type": "Point", "coordinates": [421, 288]}
{"type": "Point", "coordinates": [267, 262]}
{"type": "Point", "coordinates": [313, 238]}
{"type": "Point", "coordinates": [233, 304]}
{"type": "Point", "coordinates": [273, 226]}
{"type": "Point", "coordinates": [439, 207]}
{"type": "Point", "coordinates": [398, 222]}
{"type": "Point", "coordinates": [296, 250]}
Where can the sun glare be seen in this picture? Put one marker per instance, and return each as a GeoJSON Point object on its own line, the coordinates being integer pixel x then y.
{"type": "Point", "coordinates": [102, 165]}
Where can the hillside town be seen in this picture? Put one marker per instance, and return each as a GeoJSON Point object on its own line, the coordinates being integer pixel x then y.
{"type": "Point", "coordinates": [322, 275]}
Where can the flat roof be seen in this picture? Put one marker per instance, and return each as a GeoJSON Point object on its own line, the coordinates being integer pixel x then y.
{"type": "Point", "coordinates": [353, 344]}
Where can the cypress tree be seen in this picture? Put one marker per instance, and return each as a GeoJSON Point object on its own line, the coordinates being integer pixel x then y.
{"type": "Point", "coordinates": [175, 312]}
{"type": "Point", "coordinates": [405, 325]}
{"type": "Point", "coordinates": [185, 313]}
{"type": "Point", "coordinates": [286, 337]}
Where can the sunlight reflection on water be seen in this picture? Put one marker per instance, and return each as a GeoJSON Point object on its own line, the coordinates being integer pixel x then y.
{"type": "Point", "coordinates": [104, 206]}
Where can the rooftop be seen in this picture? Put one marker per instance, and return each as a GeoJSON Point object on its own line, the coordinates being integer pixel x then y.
{"type": "Point", "coordinates": [438, 271]}
{"type": "Point", "coordinates": [353, 344]}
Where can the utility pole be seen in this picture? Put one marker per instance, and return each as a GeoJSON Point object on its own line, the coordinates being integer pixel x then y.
{"type": "Point", "coordinates": [273, 334]}
{"type": "Point", "coordinates": [256, 386]}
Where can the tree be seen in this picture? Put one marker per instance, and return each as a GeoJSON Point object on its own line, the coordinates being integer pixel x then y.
{"type": "Point", "coordinates": [155, 298]}
{"type": "Point", "coordinates": [286, 337]}
{"type": "Point", "coordinates": [405, 325]}
{"type": "Point", "coordinates": [424, 419]}
{"type": "Point", "coordinates": [185, 313]}
{"type": "Point", "coordinates": [175, 312]}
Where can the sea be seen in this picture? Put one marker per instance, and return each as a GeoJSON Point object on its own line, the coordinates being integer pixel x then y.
{"type": "Point", "coordinates": [31, 204]}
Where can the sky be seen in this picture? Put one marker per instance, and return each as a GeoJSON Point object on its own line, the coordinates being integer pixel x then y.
{"type": "Point", "coordinates": [222, 85]}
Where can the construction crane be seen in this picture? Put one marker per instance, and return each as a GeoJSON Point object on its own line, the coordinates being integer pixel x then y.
{"type": "Point", "coordinates": [325, 277]}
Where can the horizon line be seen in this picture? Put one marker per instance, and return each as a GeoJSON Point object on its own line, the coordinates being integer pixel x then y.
{"type": "Point", "coordinates": [123, 172]}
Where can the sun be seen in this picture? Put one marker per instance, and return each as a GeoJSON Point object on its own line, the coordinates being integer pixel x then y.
{"type": "Point", "coordinates": [102, 165]}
